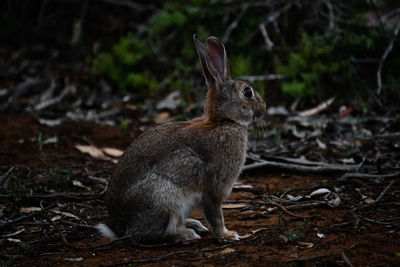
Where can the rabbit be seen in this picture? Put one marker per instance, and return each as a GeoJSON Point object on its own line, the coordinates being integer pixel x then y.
{"type": "Point", "coordinates": [175, 167]}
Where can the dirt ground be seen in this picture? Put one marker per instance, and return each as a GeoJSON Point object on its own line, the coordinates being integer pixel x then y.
{"type": "Point", "coordinates": [55, 194]}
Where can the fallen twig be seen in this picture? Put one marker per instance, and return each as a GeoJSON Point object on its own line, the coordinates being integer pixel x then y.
{"type": "Point", "coordinates": [366, 176]}
{"type": "Point", "coordinates": [388, 135]}
{"type": "Point", "coordinates": [300, 161]}
{"type": "Point", "coordinates": [383, 58]}
{"type": "Point", "coordinates": [317, 109]}
{"type": "Point", "coordinates": [378, 198]}
{"type": "Point", "coordinates": [19, 219]}
{"type": "Point", "coordinates": [286, 210]}
{"type": "Point", "coordinates": [326, 168]}
{"type": "Point", "coordinates": [174, 253]}
{"type": "Point", "coordinates": [74, 196]}
{"type": "Point", "coordinates": [346, 260]}
{"type": "Point", "coordinates": [234, 24]}
{"type": "Point", "coordinates": [4, 176]}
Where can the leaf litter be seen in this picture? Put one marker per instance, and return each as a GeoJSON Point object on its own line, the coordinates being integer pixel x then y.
{"type": "Point", "coordinates": [334, 169]}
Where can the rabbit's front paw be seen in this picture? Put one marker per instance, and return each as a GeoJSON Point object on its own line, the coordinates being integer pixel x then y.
{"type": "Point", "coordinates": [227, 234]}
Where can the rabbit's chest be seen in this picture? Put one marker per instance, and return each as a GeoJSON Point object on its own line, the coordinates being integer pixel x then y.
{"type": "Point", "coordinates": [230, 152]}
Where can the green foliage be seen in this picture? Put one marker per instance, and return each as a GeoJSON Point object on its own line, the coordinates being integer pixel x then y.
{"type": "Point", "coordinates": [165, 58]}
{"type": "Point", "coordinates": [55, 177]}
{"type": "Point", "coordinates": [125, 124]}
{"type": "Point", "coordinates": [124, 65]}
{"type": "Point", "coordinates": [325, 65]}
{"type": "Point", "coordinates": [16, 187]}
{"type": "Point", "coordinates": [316, 60]}
{"type": "Point", "coordinates": [297, 234]}
{"type": "Point", "coordinates": [166, 19]}
{"type": "Point", "coordinates": [8, 262]}
{"type": "Point", "coordinates": [313, 66]}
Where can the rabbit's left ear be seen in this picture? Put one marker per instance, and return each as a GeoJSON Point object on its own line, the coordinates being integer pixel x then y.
{"type": "Point", "coordinates": [216, 60]}
{"type": "Point", "coordinates": [202, 56]}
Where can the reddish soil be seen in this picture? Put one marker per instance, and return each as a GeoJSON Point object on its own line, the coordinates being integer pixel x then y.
{"type": "Point", "coordinates": [365, 237]}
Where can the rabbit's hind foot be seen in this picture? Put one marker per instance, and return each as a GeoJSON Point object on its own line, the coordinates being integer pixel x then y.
{"type": "Point", "coordinates": [196, 225]}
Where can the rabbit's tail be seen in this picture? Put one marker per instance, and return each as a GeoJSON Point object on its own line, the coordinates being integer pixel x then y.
{"type": "Point", "coordinates": [106, 231]}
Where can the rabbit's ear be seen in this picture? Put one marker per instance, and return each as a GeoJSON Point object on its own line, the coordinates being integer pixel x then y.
{"type": "Point", "coordinates": [216, 59]}
{"type": "Point", "coordinates": [201, 52]}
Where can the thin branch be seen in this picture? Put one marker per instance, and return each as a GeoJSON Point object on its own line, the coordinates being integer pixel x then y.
{"type": "Point", "coordinates": [233, 25]}
{"type": "Point", "coordinates": [131, 5]}
{"type": "Point", "coordinates": [346, 260]}
{"type": "Point", "coordinates": [378, 198]}
{"type": "Point", "coordinates": [262, 77]}
{"type": "Point", "coordinates": [389, 14]}
{"type": "Point", "coordinates": [384, 56]}
{"type": "Point", "coordinates": [5, 176]}
{"type": "Point", "coordinates": [174, 253]}
{"type": "Point", "coordinates": [331, 15]}
{"type": "Point", "coordinates": [328, 168]}
{"type": "Point", "coordinates": [286, 210]}
{"type": "Point", "coordinates": [67, 195]}
{"type": "Point", "coordinates": [269, 44]}
{"type": "Point", "coordinates": [317, 109]}
{"type": "Point", "coordinates": [271, 18]}
{"type": "Point", "coordinates": [366, 176]}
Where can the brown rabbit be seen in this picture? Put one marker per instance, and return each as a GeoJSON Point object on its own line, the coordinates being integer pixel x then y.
{"type": "Point", "coordinates": [177, 166]}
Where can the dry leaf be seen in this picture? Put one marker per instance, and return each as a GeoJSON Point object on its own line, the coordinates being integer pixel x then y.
{"type": "Point", "coordinates": [272, 209]}
{"type": "Point", "coordinates": [74, 259]}
{"type": "Point", "coordinates": [113, 152]}
{"type": "Point", "coordinates": [161, 117]}
{"type": "Point", "coordinates": [79, 184]}
{"type": "Point", "coordinates": [131, 106]}
{"type": "Point", "coordinates": [30, 209]}
{"type": "Point", "coordinates": [15, 233]}
{"type": "Point", "coordinates": [242, 186]}
{"type": "Point", "coordinates": [172, 101]}
{"type": "Point", "coordinates": [15, 240]}
{"type": "Point", "coordinates": [305, 244]}
{"type": "Point", "coordinates": [66, 214]}
{"type": "Point", "coordinates": [293, 198]}
{"type": "Point", "coordinates": [284, 238]}
{"type": "Point", "coordinates": [56, 218]}
{"type": "Point", "coordinates": [51, 140]}
{"type": "Point", "coordinates": [2, 208]}
{"type": "Point", "coordinates": [94, 152]}
{"type": "Point", "coordinates": [245, 236]}
{"type": "Point", "coordinates": [368, 200]}
{"type": "Point", "coordinates": [50, 122]}
{"type": "Point", "coordinates": [234, 205]}
{"type": "Point", "coordinates": [320, 191]}
{"type": "Point", "coordinates": [248, 212]}
{"type": "Point", "coordinates": [258, 230]}
{"type": "Point", "coordinates": [224, 251]}
{"type": "Point", "coordinates": [227, 251]}
{"type": "Point", "coordinates": [91, 150]}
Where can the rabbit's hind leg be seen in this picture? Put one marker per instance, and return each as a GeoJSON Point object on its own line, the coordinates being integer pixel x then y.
{"type": "Point", "coordinates": [196, 225]}
{"type": "Point", "coordinates": [178, 231]}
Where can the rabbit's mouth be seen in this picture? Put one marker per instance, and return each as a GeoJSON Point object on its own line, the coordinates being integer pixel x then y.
{"type": "Point", "coordinates": [259, 112]}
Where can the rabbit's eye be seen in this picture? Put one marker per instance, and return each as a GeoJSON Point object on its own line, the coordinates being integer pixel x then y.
{"type": "Point", "coordinates": [248, 92]}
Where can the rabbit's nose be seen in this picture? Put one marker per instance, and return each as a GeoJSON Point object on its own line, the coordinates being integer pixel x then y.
{"type": "Point", "coordinates": [260, 110]}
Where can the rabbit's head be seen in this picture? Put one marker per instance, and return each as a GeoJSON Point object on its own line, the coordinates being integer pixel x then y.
{"type": "Point", "coordinates": [227, 98]}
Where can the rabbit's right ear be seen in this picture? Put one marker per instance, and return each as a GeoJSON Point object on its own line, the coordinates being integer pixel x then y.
{"type": "Point", "coordinates": [202, 56]}
{"type": "Point", "coordinates": [216, 60]}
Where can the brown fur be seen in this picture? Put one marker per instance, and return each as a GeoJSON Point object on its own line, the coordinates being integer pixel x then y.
{"type": "Point", "coordinates": [174, 167]}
